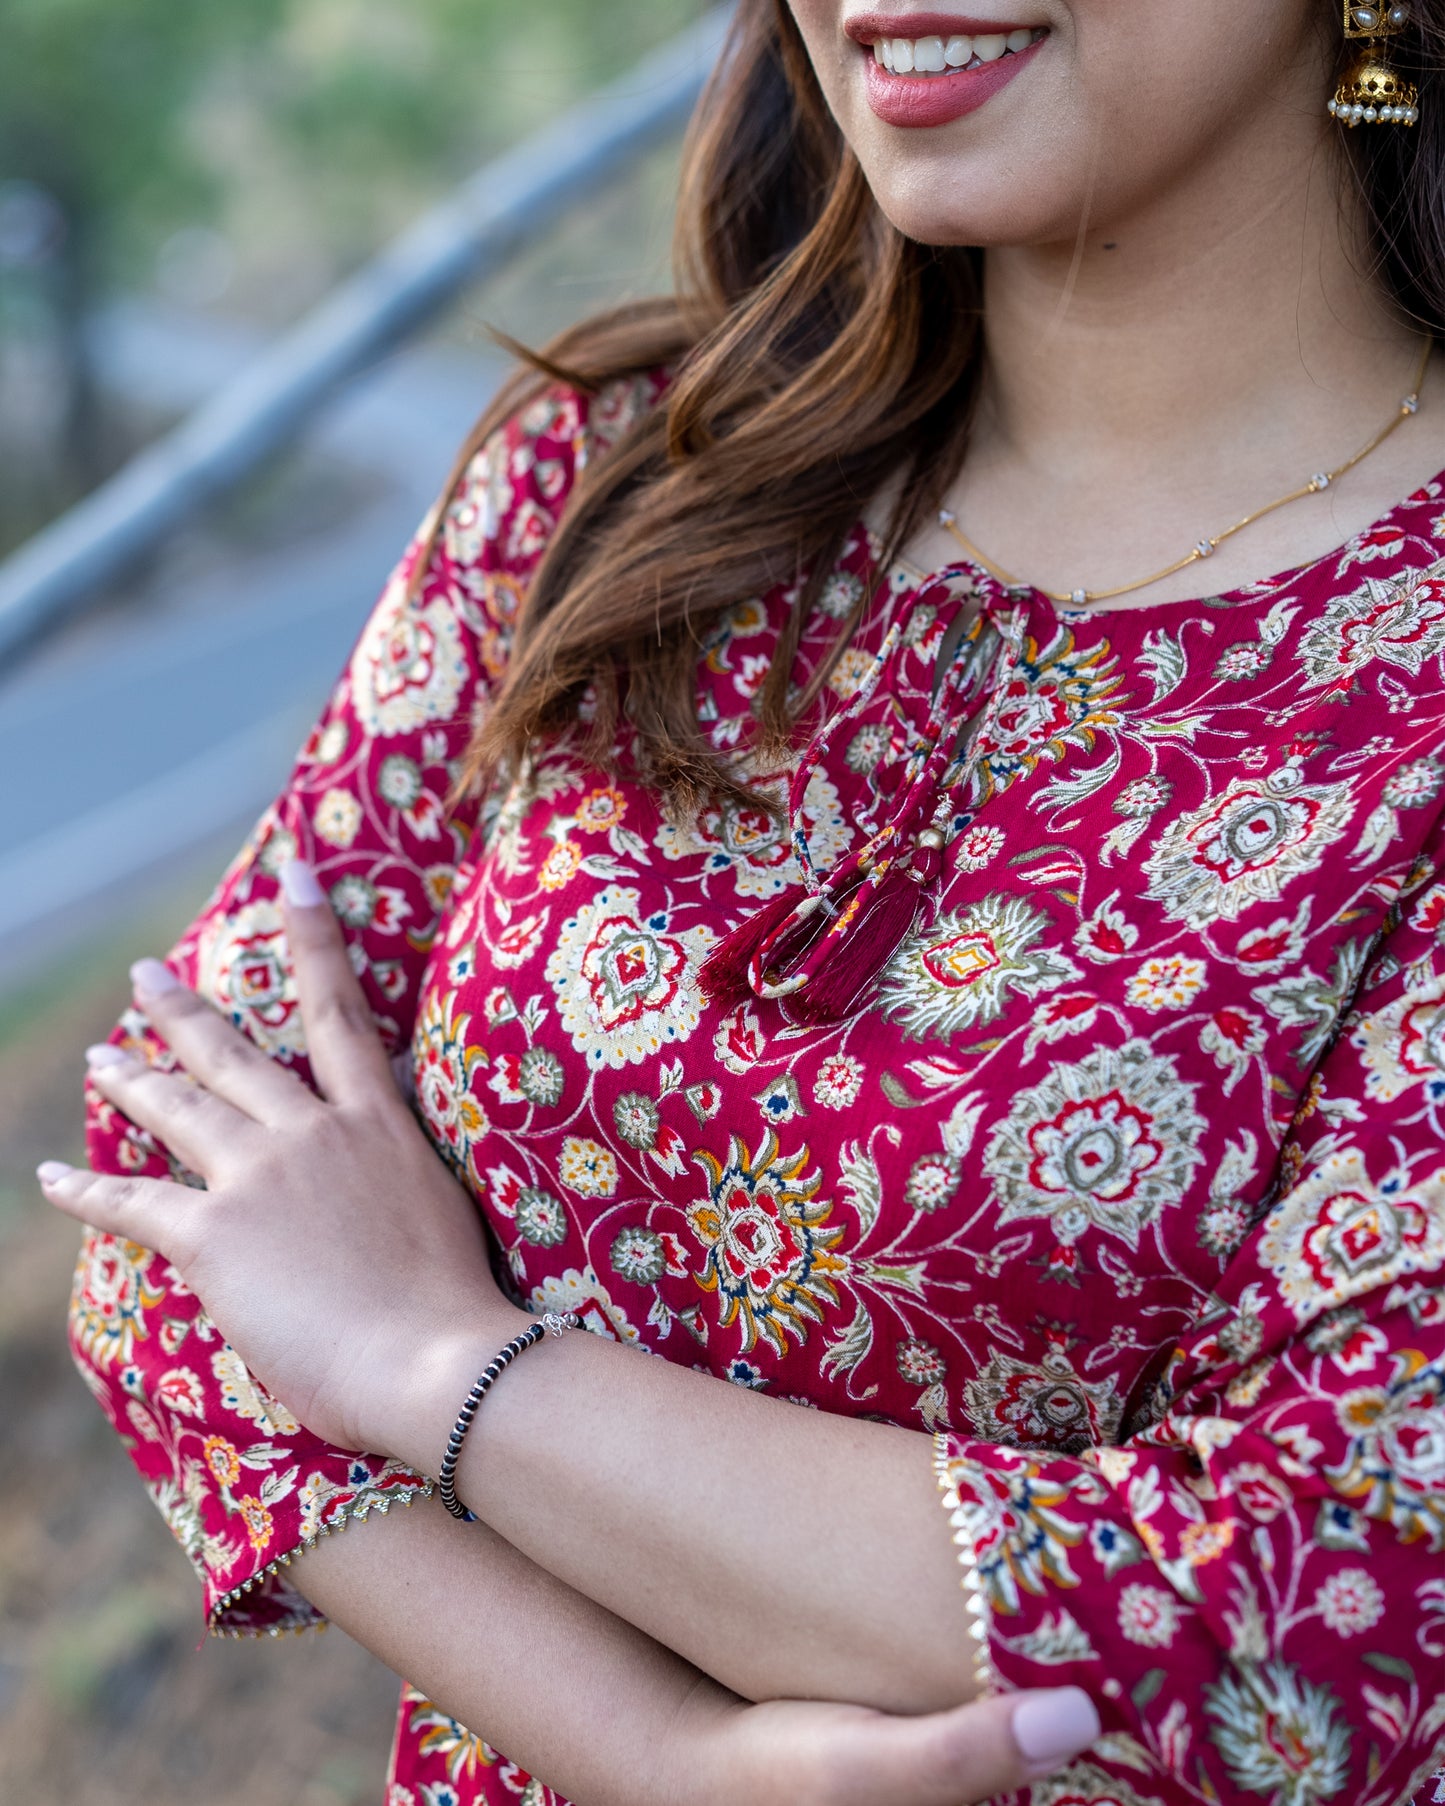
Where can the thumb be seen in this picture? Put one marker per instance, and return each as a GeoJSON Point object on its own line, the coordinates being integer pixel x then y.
{"type": "Point", "coordinates": [989, 1747]}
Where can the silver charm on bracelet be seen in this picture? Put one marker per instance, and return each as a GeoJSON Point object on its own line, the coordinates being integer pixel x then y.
{"type": "Point", "coordinates": [551, 1323]}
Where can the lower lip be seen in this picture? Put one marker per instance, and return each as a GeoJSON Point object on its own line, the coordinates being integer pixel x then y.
{"type": "Point", "coordinates": [919, 100]}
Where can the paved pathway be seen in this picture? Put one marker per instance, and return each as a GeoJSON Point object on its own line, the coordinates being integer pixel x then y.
{"type": "Point", "coordinates": [167, 721]}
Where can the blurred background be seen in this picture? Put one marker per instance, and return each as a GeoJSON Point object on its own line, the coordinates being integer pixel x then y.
{"type": "Point", "coordinates": [181, 187]}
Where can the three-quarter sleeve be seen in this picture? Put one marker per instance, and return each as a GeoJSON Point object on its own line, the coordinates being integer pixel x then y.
{"type": "Point", "coordinates": [242, 1485]}
{"type": "Point", "coordinates": [1252, 1587]}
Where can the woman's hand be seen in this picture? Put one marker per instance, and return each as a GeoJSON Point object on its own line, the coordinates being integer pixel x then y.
{"type": "Point", "coordinates": [806, 1753]}
{"type": "Point", "coordinates": [332, 1246]}
{"type": "Point", "coordinates": [350, 1271]}
{"type": "Point", "coordinates": [497, 1642]}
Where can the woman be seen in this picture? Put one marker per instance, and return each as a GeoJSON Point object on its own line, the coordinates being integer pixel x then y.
{"type": "Point", "coordinates": [870, 921]}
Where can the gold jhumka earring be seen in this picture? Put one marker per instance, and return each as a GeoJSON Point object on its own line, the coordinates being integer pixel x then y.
{"type": "Point", "coordinates": [1371, 92]}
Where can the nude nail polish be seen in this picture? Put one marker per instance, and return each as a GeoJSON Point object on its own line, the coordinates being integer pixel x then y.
{"type": "Point", "coordinates": [1050, 1727]}
{"type": "Point", "coordinates": [153, 978]}
{"type": "Point", "coordinates": [301, 885]}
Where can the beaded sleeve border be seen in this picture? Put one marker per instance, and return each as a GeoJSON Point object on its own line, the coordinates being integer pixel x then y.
{"type": "Point", "coordinates": [350, 1512]}
{"type": "Point", "coordinates": [985, 1676]}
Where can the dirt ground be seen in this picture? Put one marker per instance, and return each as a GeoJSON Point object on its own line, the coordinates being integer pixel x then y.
{"type": "Point", "coordinates": [109, 1693]}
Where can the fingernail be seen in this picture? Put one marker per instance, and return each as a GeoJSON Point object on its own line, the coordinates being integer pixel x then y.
{"type": "Point", "coordinates": [403, 1071]}
{"type": "Point", "coordinates": [50, 1172]}
{"type": "Point", "coordinates": [300, 885]}
{"type": "Point", "coordinates": [107, 1055]}
{"type": "Point", "coordinates": [152, 978]}
{"type": "Point", "coordinates": [1050, 1727]}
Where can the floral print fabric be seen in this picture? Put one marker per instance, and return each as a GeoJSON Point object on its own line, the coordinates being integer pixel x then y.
{"type": "Point", "coordinates": [1127, 1179]}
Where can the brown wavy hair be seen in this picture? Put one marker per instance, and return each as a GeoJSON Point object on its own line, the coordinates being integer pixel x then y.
{"type": "Point", "coordinates": [818, 356]}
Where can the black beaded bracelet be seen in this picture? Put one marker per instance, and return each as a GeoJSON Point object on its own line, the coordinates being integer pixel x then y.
{"type": "Point", "coordinates": [551, 1323]}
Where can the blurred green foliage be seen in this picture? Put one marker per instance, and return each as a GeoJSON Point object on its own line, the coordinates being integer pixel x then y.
{"type": "Point", "coordinates": [93, 94]}
{"type": "Point", "coordinates": [243, 154]}
{"type": "Point", "coordinates": [141, 116]}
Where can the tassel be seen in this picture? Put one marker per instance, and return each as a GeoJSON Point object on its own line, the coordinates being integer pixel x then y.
{"type": "Point", "coordinates": [819, 949]}
{"type": "Point", "coordinates": [838, 942]}
{"type": "Point", "coordinates": [724, 973]}
{"type": "Point", "coordinates": [848, 964]}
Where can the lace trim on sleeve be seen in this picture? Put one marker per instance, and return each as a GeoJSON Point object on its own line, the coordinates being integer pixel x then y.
{"type": "Point", "coordinates": [960, 1511]}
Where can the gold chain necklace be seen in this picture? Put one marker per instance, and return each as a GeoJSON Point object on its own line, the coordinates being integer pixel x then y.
{"type": "Point", "coordinates": [1205, 548]}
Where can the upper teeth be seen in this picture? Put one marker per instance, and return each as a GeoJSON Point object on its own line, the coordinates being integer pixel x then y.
{"type": "Point", "coordinates": [937, 56]}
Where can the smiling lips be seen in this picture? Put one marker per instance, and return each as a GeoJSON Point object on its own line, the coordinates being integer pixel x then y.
{"type": "Point", "coordinates": [926, 69]}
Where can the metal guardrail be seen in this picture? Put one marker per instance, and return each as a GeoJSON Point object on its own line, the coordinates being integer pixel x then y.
{"type": "Point", "coordinates": [508, 204]}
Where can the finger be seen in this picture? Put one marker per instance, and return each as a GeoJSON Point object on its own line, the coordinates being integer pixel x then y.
{"type": "Point", "coordinates": [347, 1057]}
{"type": "Point", "coordinates": [403, 1075]}
{"type": "Point", "coordinates": [213, 1050]}
{"type": "Point", "coordinates": [155, 1213]}
{"type": "Point", "coordinates": [198, 1128]}
{"type": "Point", "coordinates": [992, 1746]}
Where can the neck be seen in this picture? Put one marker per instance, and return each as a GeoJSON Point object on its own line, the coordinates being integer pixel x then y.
{"type": "Point", "coordinates": [1178, 367]}
{"type": "Point", "coordinates": [1150, 334]}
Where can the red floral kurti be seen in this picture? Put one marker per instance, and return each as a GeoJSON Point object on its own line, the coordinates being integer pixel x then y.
{"type": "Point", "coordinates": [1128, 1177]}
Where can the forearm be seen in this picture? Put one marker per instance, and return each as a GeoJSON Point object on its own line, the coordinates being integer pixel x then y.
{"type": "Point", "coordinates": [783, 1551]}
{"type": "Point", "coordinates": [497, 1640]}
{"type": "Point", "coordinates": [786, 1552]}
{"type": "Point", "coordinates": [496, 1643]}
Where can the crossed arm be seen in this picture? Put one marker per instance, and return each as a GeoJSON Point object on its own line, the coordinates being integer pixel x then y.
{"type": "Point", "coordinates": [641, 1517]}
{"type": "Point", "coordinates": [498, 1642]}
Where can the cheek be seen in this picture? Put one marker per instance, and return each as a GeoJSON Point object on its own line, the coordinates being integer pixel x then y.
{"type": "Point", "coordinates": [1127, 100]}
{"type": "Point", "coordinates": [817, 19]}
{"type": "Point", "coordinates": [833, 56]}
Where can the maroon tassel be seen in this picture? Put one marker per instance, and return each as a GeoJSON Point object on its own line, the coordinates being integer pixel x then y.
{"type": "Point", "coordinates": [849, 964]}
{"type": "Point", "coordinates": [724, 972]}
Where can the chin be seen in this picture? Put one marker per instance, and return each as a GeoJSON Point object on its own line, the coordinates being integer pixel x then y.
{"type": "Point", "coordinates": [985, 208]}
